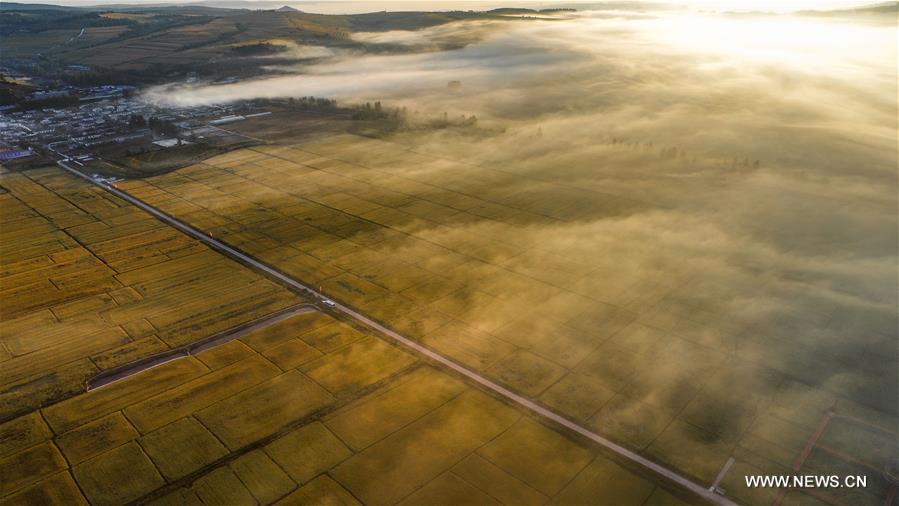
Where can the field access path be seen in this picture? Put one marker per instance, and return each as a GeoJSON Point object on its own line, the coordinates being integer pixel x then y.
{"type": "Point", "coordinates": [701, 491]}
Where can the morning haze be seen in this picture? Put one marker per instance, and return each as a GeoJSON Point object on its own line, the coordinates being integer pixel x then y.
{"type": "Point", "coordinates": [616, 253]}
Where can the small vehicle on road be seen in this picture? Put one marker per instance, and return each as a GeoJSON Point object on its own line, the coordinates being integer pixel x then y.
{"type": "Point", "coordinates": [329, 303]}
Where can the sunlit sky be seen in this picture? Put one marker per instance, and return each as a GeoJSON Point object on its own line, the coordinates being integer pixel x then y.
{"type": "Point", "coordinates": [337, 6]}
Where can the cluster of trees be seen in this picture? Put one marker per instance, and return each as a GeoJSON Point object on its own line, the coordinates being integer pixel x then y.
{"type": "Point", "coordinates": [671, 152]}
{"type": "Point", "coordinates": [745, 163]}
{"type": "Point", "coordinates": [397, 118]}
{"type": "Point", "coordinates": [259, 49]}
{"type": "Point", "coordinates": [97, 76]}
{"type": "Point", "coordinates": [312, 103]}
{"type": "Point", "coordinates": [461, 121]}
{"type": "Point", "coordinates": [137, 121]}
{"type": "Point", "coordinates": [371, 112]}
{"type": "Point", "coordinates": [676, 152]}
{"type": "Point", "coordinates": [57, 102]}
{"type": "Point", "coordinates": [162, 127]}
{"type": "Point", "coordinates": [12, 93]}
{"type": "Point", "coordinates": [7, 97]}
{"type": "Point", "coordinates": [159, 126]}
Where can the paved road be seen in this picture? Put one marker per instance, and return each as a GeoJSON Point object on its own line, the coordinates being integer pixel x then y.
{"type": "Point", "coordinates": [662, 471]}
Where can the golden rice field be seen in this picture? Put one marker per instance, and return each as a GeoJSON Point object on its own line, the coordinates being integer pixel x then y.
{"type": "Point", "coordinates": [430, 247]}
{"type": "Point", "coordinates": [308, 410]}
{"type": "Point", "coordinates": [90, 282]}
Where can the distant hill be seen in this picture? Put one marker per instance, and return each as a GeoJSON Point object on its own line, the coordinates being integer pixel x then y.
{"type": "Point", "coordinates": [16, 6]}
{"type": "Point", "coordinates": [139, 44]}
{"type": "Point", "coordinates": [880, 9]}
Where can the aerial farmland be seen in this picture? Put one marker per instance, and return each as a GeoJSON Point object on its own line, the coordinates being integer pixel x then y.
{"type": "Point", "coordinates": [613, 254]}
{"type": "Point", "coordinates": [458, 274]}
{"type": "Point", "coordinates": [227, 423]}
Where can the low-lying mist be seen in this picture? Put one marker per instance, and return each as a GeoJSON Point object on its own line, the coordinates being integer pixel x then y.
{"type": "Point", "coordinates": [729, 179]}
